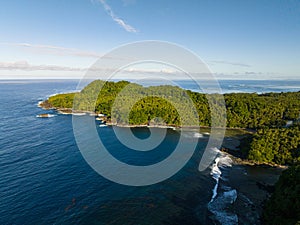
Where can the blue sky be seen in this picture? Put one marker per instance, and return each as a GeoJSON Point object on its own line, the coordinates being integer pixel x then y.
{"type": "Point", "coordinates": [238, 39]}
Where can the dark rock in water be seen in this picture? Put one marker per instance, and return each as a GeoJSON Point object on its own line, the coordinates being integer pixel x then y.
{"type": "Point", "coordinates": [65, 111]}
{"type": "Point", "coordinates": [254, 184]}
{"type": "Point", "coordinates": [45, 105]}
{"type": "Point", "coordinates": [266, 187]}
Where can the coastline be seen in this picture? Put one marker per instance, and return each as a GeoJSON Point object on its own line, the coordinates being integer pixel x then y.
{"type": "Point", "coordinates": [230, 145]}
{"type": "Point", "coordinates": [253, 181]}
{"type": "Point", "coordinates": [69, 111]}
{"type": "Point", "coordinates": [254, 185]}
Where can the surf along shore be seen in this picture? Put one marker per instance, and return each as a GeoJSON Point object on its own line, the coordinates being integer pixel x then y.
{"type": "Point", "coordinates": [252, 181]}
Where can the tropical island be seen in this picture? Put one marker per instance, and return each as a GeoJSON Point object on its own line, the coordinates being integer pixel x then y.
{"type": "Point", "coordinates": [272, 118]}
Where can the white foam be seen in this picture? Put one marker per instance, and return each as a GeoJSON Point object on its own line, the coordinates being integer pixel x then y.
{"type": "Point", "coordinates": [216, 174]}
{"type": "Point", "coordinates": [224, 161]}
{"type": "Point", "coordinates": [219, 208]}
{"type": "Point", "coordinates": [197, 135]}
{"type": "Point", "coordinates": [215, 191]}
{"type": "Point", "coordinates": [191, 134]}
{"type": "Point", "coordinates": [39, 104]}
{"type": "Point", "coordinates": [219, 202]}
{"type": "Point", "coordinates": [230, 195]}
{"type": "Point", "coordinates": [45, 116]}
{"type": "Point", "coordinates": [78, 114]}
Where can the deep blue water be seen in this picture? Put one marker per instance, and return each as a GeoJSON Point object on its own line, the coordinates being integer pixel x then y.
{"type": "Point", "coordinates": [45, 180]}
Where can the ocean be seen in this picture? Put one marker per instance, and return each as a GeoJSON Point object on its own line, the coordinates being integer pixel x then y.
{"type": "Point", "coordinates": [45, 180]}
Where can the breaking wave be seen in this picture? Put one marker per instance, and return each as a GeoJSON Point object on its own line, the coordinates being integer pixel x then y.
{"type": "Point", "coordinates": [222, 195]}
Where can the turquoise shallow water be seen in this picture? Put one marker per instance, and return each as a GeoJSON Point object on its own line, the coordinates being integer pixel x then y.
{"type": "Point", "coordinates": [45, 180]}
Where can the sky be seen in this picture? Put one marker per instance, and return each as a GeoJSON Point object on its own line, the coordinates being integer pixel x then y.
{"type": "Point", "coordinates": [250, 39]}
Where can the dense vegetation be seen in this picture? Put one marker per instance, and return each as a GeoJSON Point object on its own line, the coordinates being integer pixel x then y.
{"type": "Point", "coordinates": [258, 111]}
{"type": "Point", "coordinates": [130, 103]}
{"type": "Point", "coordinates": [62, 100]}
{"type": "Point", "coordinates": [153, 108]}
{"type": "Point", "coordinates": [243, 110]}
{"type": "Point", "coordinates": [284, 205]}
{"type": "Point", "coordinates": [276, 145]}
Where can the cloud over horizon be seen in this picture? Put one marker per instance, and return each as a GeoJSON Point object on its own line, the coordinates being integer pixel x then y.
{"type": "Point", "coordinates": [54, 50]}
{"type": "Point", "coordinates": [230, 63]}
{"type": "Point", "coordinates": [25, 66]}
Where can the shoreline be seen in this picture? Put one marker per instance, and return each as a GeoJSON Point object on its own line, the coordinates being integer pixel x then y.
{"type": "Point", "coordinates": [69, 111]}
{"type": "Point", "coordinates": [254, 186]}
{"type": "Point", "coordinates": [229, 146]}
{"type": "Point", "coordinates": [253, 181]}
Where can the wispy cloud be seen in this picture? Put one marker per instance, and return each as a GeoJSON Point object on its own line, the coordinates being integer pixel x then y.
{"type": "Point", "coordinates": [25, 66]}
{"type": "Point", "coordinates": [61, 51]}
{"type": "Point", "coordinates": [230, 63]}
{"type": "Point", "coordinates": [54, 50]}
{"type": "Point", "coordinates": [119, 21]}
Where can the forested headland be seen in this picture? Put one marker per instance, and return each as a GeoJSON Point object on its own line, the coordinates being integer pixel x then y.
{"type": "Point", "coordinates": [244, 110]}
{"type": "Point", "coordinates": [273, 116]}
{"type": "Point", "coordinates": [267, 114]}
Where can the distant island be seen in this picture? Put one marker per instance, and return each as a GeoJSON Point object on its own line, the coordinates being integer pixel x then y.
{"type": "Point", "coordinates": [273, 118]}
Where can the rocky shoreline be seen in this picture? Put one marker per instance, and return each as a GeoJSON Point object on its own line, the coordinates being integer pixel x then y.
{"type": "Point", "coordinates": [230, 144]}
{"type": "Point", "coordinates": [253, 181]}
{"type": "Point", "coordinates": [254, 186]}
{"type": "Point", "coordinates": [66, 111]}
